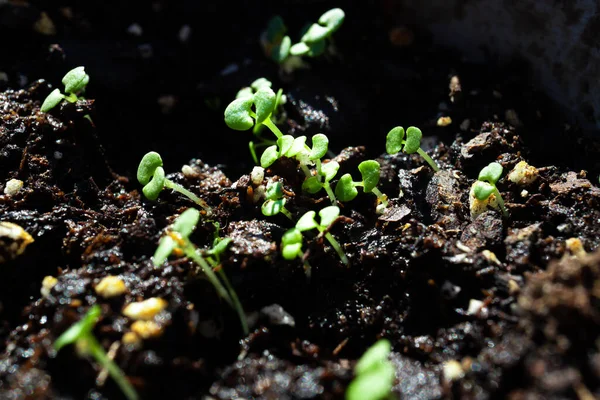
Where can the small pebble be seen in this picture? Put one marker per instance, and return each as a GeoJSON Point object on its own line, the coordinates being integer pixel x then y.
{"type": "Point", "coordinates": [444, 121]}
{"type": "Point", "coordinates": [13, 186]}
{"type": "Point", "coordinates": [47, 284]}
{"type": "Point", "coordinates": [135, 29]}
{"type": "Point", "coordinates": [110, 286]}
{"type": "Point", "coordinates": [145, 310]}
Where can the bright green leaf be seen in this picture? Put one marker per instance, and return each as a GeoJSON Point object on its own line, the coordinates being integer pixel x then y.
{"type": "Point", "coordinates": [274, 191]}
{"type": "Point", "coordinates": [269, 156]}
{"type": "Point", "coordinates": [482, 190]}
{"type": "Point", "coordinates": [307, 222]}
{"type": "Point", "coordinates": [315, 33]}
{"type": "Point", "coordinates": [291, 251]}
{"type": "Point", "coordinates": [491, 173]}
{"type": "Point", "coordinates": [299, 49]}
{"type": "Point", "coordinates": [53, 99]}
{"type": "Point", "coordinates": [312, 185]}
{"type": "Point", "coordinates": [272, 207]}
{"type": "Point", "coordinates": [413, 140]}
{"type": "Point", "coordinates": [374, 356]}
{"type": "Point", "coordinates": [237, 114]}
{"type": "Point", "coordinates": [320, 144]}
{"type": "Point", "coordinates": [285, 144]}
{"type": "Point", "coordinates": [369, 170]}
{"type": "Point", "coordinates": [166, 245]}
{"type": "Point", "coordinates": [75, 80]}
{"type": "Point", "coordinates": [264, 101]}
{"type": "Point", "coordinates": [297, 146]}
{"type": "Point", "coordinates": [376, 384]}
{"type": "Point", "coordinates": [80, 329]}
{"type": "Point", "coordinates": [148, 165]}
{"type": "Point", "coordinates": [291, 236]}
{"type": "Point", "coordinates": [345, 189]}
{"type": "Point", "coordinates": [153, 188]}
{"type": "Point", "coordinates": [332, 19]}
{"type": "Point", "coordinates": [328, 215]}
{"type": "Point", "coordinates": [186, 222]}
{"type": "Point", "coordinates": [329, 170]}
{"type": "Point", "coordinates": [393, 141]}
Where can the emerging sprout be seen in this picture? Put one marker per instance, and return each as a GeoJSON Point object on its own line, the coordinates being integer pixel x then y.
{"type": "Point", "coordinates": [151, 174]}
{"type": "Point", "coordinates": [274, 203]}
{"type": "Point", "coordinates": [86, 344]}
{"type": "Point", "coordinates": [292, 239]}
{"type": "Point", "coordinates": [345, 189]}
{"type": "Point", "coordinates": [314, 39]}
{"type": "Point", "coordinates": [486, 185]}
{"type": "Point", "coordinates": [374, 374]}
{"type": "Point", "coordinates": [177, 241]}
{"type": "Point", "coordinates": [395, 142]}
{"type": "Point", "coordinates": [75, 82]}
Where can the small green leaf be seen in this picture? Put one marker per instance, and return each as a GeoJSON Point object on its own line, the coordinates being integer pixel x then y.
{"type": "Point", "coordinates": [261, 82]}
{"type": "Point", "coordinates": [220, 247]}
{"type": "Point", "coordinates": [328, 215]}
{"type": "Point", "coordinates": [291, 251]}
{"type": "Point", "coordinates": [307, 222]}
{"type": "Point", "coordinates": [291, 236]}
{"type": "Point", "coordinates": [374, 356]}
{"type": "Point", "coordinates": [285, 144]}
{"type": "Point", "coordinates": [264, 101]}
{"type": "Point", "coordinates": [482, 190]}
{"type": "Point", "coordinates": [280, 52]}
{"type": "Point", "coordinates": [369, 170]}
{"type": "Point", "coordinates": [244, 93]}
{"type": "Point", "coordinates": [53, 99]}
{"type": "Point", "coordinates": [269, 156]}
{"type": "Point", "coordinates": [299, 49]}
{"type": "Point", "coordinates": [345, 189]}
{"type": "Point", "coordinates": [413, 140]}
{"type": "Point", "coordinates": [166, 245]}
{"type": "Point", "coordinates": [315, 33]}
{"type": "Point", "coordinates": [329, 170]}
{"type": "Point", "coordinates": [153, 188]}
{"type": "Point", "coordinates": [393, 141]}
{"type": "Point", "coordinates": [275, 28]}
{"type": "Point", "coordinates": [312, 185]}
{"type": "Point", "coordinates": [237, 114]}
{"type": "Point", "coordinates": [75, 80]}
{"type": "Point", "coordinates": [376, 384]}
{"type": "Point", "coordinates": [186, 222]}
{"type": "Point", "coordinates": [320, 144]}
{"type": "Point", "coordinates": [272, 207]}
{"type": "Point", "coordinates": [148, 165]}
{"type": "Point", "coordinates": [274, 191]}
{"type": "Point", "coordinates": [491, 173]}
{"type": "Point", "coordinates": [332, 19]}
{"type": "Point", "coordinates": [80, 329]}
{"type": "Point", "coordinates": [297, 146]}
{"type": "Point", "coordinates": [280, 98]}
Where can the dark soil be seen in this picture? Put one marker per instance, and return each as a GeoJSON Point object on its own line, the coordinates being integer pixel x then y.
{"type": "Point", "coordinates": [533, 330]}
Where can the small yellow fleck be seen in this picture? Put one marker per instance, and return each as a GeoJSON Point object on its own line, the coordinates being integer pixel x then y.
{"type": "Point", "coordinates": [13, 186]}
{"type": "Point", "coordinates": [575, 246]}
{"type": "Point", "coordinates": [146, 329]}
{"type": "Point", "coordinates": [513, 287]}
{"type": "Point", "coordinates": [47, 284]}
{"type": "Point", "coordinates": [490, 256]}
{"type": "Point", "coordinates": [131, 339]}
{"type": "Point", "coordinates": [111, 286]}
{"type": "Point", "coordinates": [145, 310]}
{"type": "Point", "coordinates": [444, 121]}
{"type": "Point", "coordinates": [452, 370]}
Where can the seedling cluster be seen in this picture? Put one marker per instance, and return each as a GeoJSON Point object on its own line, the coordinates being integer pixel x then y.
{"type": "Point", "coordinates": [81, 335]}
{"type": "Point", "coordinates": [409, 143]}
{"type": "Point", "coordinates": [75, 82]}
{"type": "Point", "coordinates": [315, 39]}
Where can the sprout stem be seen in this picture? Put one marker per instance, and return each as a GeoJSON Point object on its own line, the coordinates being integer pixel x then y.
{"type": "Point", "coordinates": [334, 243]}
{"type": "Point", "coordinates": [428, 159]}
{"type": "Point", "coordinates": [287, 213]}
{"type": "Point", "coordinates": [97, 352]}
{"type": "Point", "coordinates": [178, 188]}
{"type": "Point", "coordinates": [236, 301]}
{"type": "Point", "coordinates": [190, 251]}
{"type": "Point", "coordinates": [269, 124]}
{"type": "Point", "coordinates": [382, 197]}
{"type": "Point", "coordinates": [500, 201]}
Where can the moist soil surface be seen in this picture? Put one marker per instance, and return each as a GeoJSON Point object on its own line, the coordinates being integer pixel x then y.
{"type": "Point", "coordinates": [476, 306]}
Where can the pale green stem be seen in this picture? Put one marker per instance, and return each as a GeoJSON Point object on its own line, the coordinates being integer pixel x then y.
{"type": "Point", "coordinates": [326, 184]}
{"type": "Point", "coordinates": [190, 251]}
{"type": "Point", "coordinates": [305, 170]}
{"type": "Point", "coordinates": [428, 159]}
{"type": "Point", "coordinates": [500, 201]}
{"type": "Point", "coordinates": [236, 301]}
{"type": "Point", "coordinates": [269, 124]}
{"type": "Point", "coordinates": [178, 188]}
{"type": "Point", "coordinates": [334, 243]}
{"type": "Point", "coordinates": [97, 352]}
{"type": "Point", "coordinates": [286, 212]}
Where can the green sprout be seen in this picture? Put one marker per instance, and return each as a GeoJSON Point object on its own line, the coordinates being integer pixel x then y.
{"type": "Point", "coordinates": [486, 185]}
{"type": "Point", "coordinates": [314, 40]}
{"type": "Point", "coordinates": [374, 374]}
{"type": "Point", "coordinates": [274, 203]}
{"type": "Point", "coordinates": [395, 142]}
{"type": "Point", "coordinates": [86, 344]}
{"type": "Point", "coordinates": [177, 242]}
{"type": "Point", "coordinates": [274, 40]}
{"type": "Point", "coordinates": [151, 174]}
{"type": "Point", "coordinates": [297, 148]}
{"type": "Point", "coordinates": [75, 82]}
{"type": "Point", "coordinates": [292, 242]}
{"type": "Point", "coordinates": [345, 189]}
